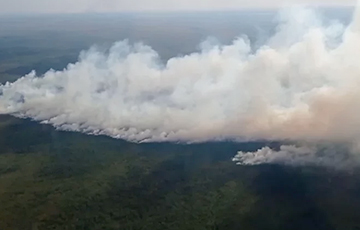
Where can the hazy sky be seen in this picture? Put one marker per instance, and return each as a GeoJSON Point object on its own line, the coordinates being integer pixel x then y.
{"type": "Point", "coordinates": [67, 6]}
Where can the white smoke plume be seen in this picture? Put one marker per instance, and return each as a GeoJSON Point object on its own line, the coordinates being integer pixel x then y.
{"type": "Point", "coordinates": [304, 84]}
{"type": "Point", "coordinates": [299, 156]}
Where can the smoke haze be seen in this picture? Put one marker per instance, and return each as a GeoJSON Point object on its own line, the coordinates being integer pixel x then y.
{"type": "Point", "coordinates": [302, 85]}
{"type": "Point", "coordinates": [69, 6]}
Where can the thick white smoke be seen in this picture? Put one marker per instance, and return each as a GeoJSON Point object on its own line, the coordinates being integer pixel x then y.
{"type": "Point", "coordinates": [292, 155]}
{"type": "Point", "coordinates": [287, 154]}
{"type": "Point", "coordinates": [303, 85]}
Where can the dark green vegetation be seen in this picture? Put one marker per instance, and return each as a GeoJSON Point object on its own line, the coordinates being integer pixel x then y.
{"type": "Point", "coordinates": [63, 180]}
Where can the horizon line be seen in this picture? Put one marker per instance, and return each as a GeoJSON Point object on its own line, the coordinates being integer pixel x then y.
{"type": "Point", "coordinates": [182, 11]}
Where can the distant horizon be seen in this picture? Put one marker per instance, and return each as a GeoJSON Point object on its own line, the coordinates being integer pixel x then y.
{"type": "Point", "coordinates": [17, 7]}
{"type": "Point", "coordinates": [171, 12]}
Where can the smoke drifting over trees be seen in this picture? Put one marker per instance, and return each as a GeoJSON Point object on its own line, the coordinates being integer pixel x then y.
{"type": "Point", "coordinates": [302, 85]}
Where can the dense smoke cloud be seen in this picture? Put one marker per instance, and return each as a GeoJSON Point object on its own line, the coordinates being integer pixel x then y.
{"type": "Point", "coordinates": [304, 84]}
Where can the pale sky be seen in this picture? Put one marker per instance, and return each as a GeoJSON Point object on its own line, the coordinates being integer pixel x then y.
{"type": "Point", "coordinates": [69, 6]}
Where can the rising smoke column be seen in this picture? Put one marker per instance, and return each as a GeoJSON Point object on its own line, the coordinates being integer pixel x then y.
{"type": "Point", "coordinates": [303, 85]}
{"type": "Point", "coordinates": [330, 156]}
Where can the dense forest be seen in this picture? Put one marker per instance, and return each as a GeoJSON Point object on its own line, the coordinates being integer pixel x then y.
{"type": "Point", "coordinates": [63, 180]}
